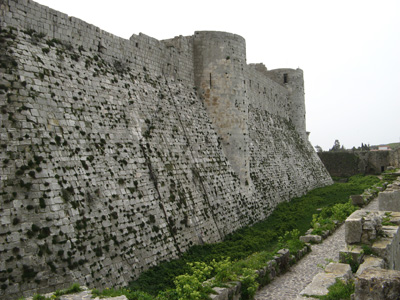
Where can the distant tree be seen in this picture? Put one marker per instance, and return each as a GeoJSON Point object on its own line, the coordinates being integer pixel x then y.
{"type": "Point", "coordinates": [336, 146]}
{"type": "Point", "coordinates": [365, 147]}
{"type": "Point", "coordinates": [318, 148]}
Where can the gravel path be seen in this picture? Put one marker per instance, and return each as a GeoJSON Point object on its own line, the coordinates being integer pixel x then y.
{"type": "Point", "coordinates": [289, 285]}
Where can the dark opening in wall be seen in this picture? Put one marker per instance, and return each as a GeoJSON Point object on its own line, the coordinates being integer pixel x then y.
{"type": "Point", "coordinates": [382, 168]}
{"type": "Point", "coordinates": [137, 45]}
{"type": "Point", "coordinates": [285, 78]}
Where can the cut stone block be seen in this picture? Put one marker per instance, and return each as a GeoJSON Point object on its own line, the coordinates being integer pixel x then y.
{"type": "Point", "coordinates": [353, 228]}
{"type": "Point", "coordinates": [380, 284]}
{"type": "Point", "coordinates": [322, 281]}
{"type": "Point", "coordinates": [319, 285]}
{"type": "Point", "coordinates": [351, 254]}
{"type": "Point", "coordinates": [395, 218]}
{"type": "Point", "coordinates": [340, 270]}
{"type": "Point", "coordinates": [357, 200]}
{"type": "Point", "coordinates": [227, 293]}
{"type": "Point", "coordinates": [363, 226]}
{"type": "Point", "coordinates": [311, 238]}
{"type": "Point", "coordinates": [371, 262]}
{"type": "Point", "coordinates": [389, 200]}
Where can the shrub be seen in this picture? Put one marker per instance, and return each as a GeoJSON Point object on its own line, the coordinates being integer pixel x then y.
{"type": "Point", "coordinates": [190, 286]}
{"type": "Point", "coordinates": [338, 212]}
{"type": "Point", "coordinates": [290, 240]}
{"type": "Point", "coordinates": [223, 270]}
{"type": "Point", "coordinates": [249, 284]}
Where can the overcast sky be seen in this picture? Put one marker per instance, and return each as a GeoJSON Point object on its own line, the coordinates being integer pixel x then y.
{"type": "Point", "coordinates": [349, 51]}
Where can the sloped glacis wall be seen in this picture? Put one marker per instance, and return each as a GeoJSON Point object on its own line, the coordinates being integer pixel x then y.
{"type": "Point", "coordinates": [114, 158]}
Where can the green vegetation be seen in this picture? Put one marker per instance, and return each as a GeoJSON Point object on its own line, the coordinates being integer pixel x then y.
{"type": "Point", "coordinates": [351, 260]}
{"type": "Point", "coordinates": [190, 286]}
{"type": "Point", "coordinates": [339, 291]}
{"type": "Point", "coordinates": [75, 288]}
{"type": "Point", "coordinates": [325, 220]}
{"type": "Point", "coordinates": [387, 219]}
{"type": "Point", "coordinates": [389, 176]}
{"type": "Point", "coordinates": [252, 246]}
{"type": "Point", "coordinates": [241, 253]}
{"type": "Point", "coordinates": [131, 295]}
{"type": "Point", "coordinates": [249, 284]}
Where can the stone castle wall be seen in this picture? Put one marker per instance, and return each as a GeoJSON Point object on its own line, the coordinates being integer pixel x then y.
{"type": "Point", "coordinates": [113, 157]}
{"type": "Point", "coordinates": [344, 164]}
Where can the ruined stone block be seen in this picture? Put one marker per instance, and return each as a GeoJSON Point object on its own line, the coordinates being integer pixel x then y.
{"type": "Point", "coordinates": [389, 200]}
{"type": "Point", "coordinates": [377, 284]}
{"type": "Point", "coordinates": [357, 200]}
{"type": "Point", "coordinates": [371, 262]}
{"type": "Point", "coordinates": [311, 238]}
{"type": "Point", "coordinates": [322, 281]}
{"type": "Point", "coordinates": [353, 228]}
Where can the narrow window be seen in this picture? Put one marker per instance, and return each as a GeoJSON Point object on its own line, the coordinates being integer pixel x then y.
{"type": "Point", "coordinates": [137, 45]}
{"type": "Point", "coordinates": [210, 82]}
{"type": "Point", "coordinates": [285, 78]}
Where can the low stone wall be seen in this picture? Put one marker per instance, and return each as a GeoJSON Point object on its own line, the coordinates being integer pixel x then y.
{"type": "Point", "coordinates": [373, 247]}
{"type": "Point", "coordinates": [345, 164]}
{"type": "Point", "coordinates": [373, 232]}
{"type": "Point", "coordinates": [389, 200]}
{"type": "Point", "coordinates": [379, 284]}
{"type": "Point", "coordinates": [376, 233]}
{"type": "Point", "coordinates": [279, 265]}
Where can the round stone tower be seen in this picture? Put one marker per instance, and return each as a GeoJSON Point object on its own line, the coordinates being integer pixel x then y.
{"type": "Point", "coordinates": [219, 63]}
{"type": "Point", "coordinates": [293, 80]}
